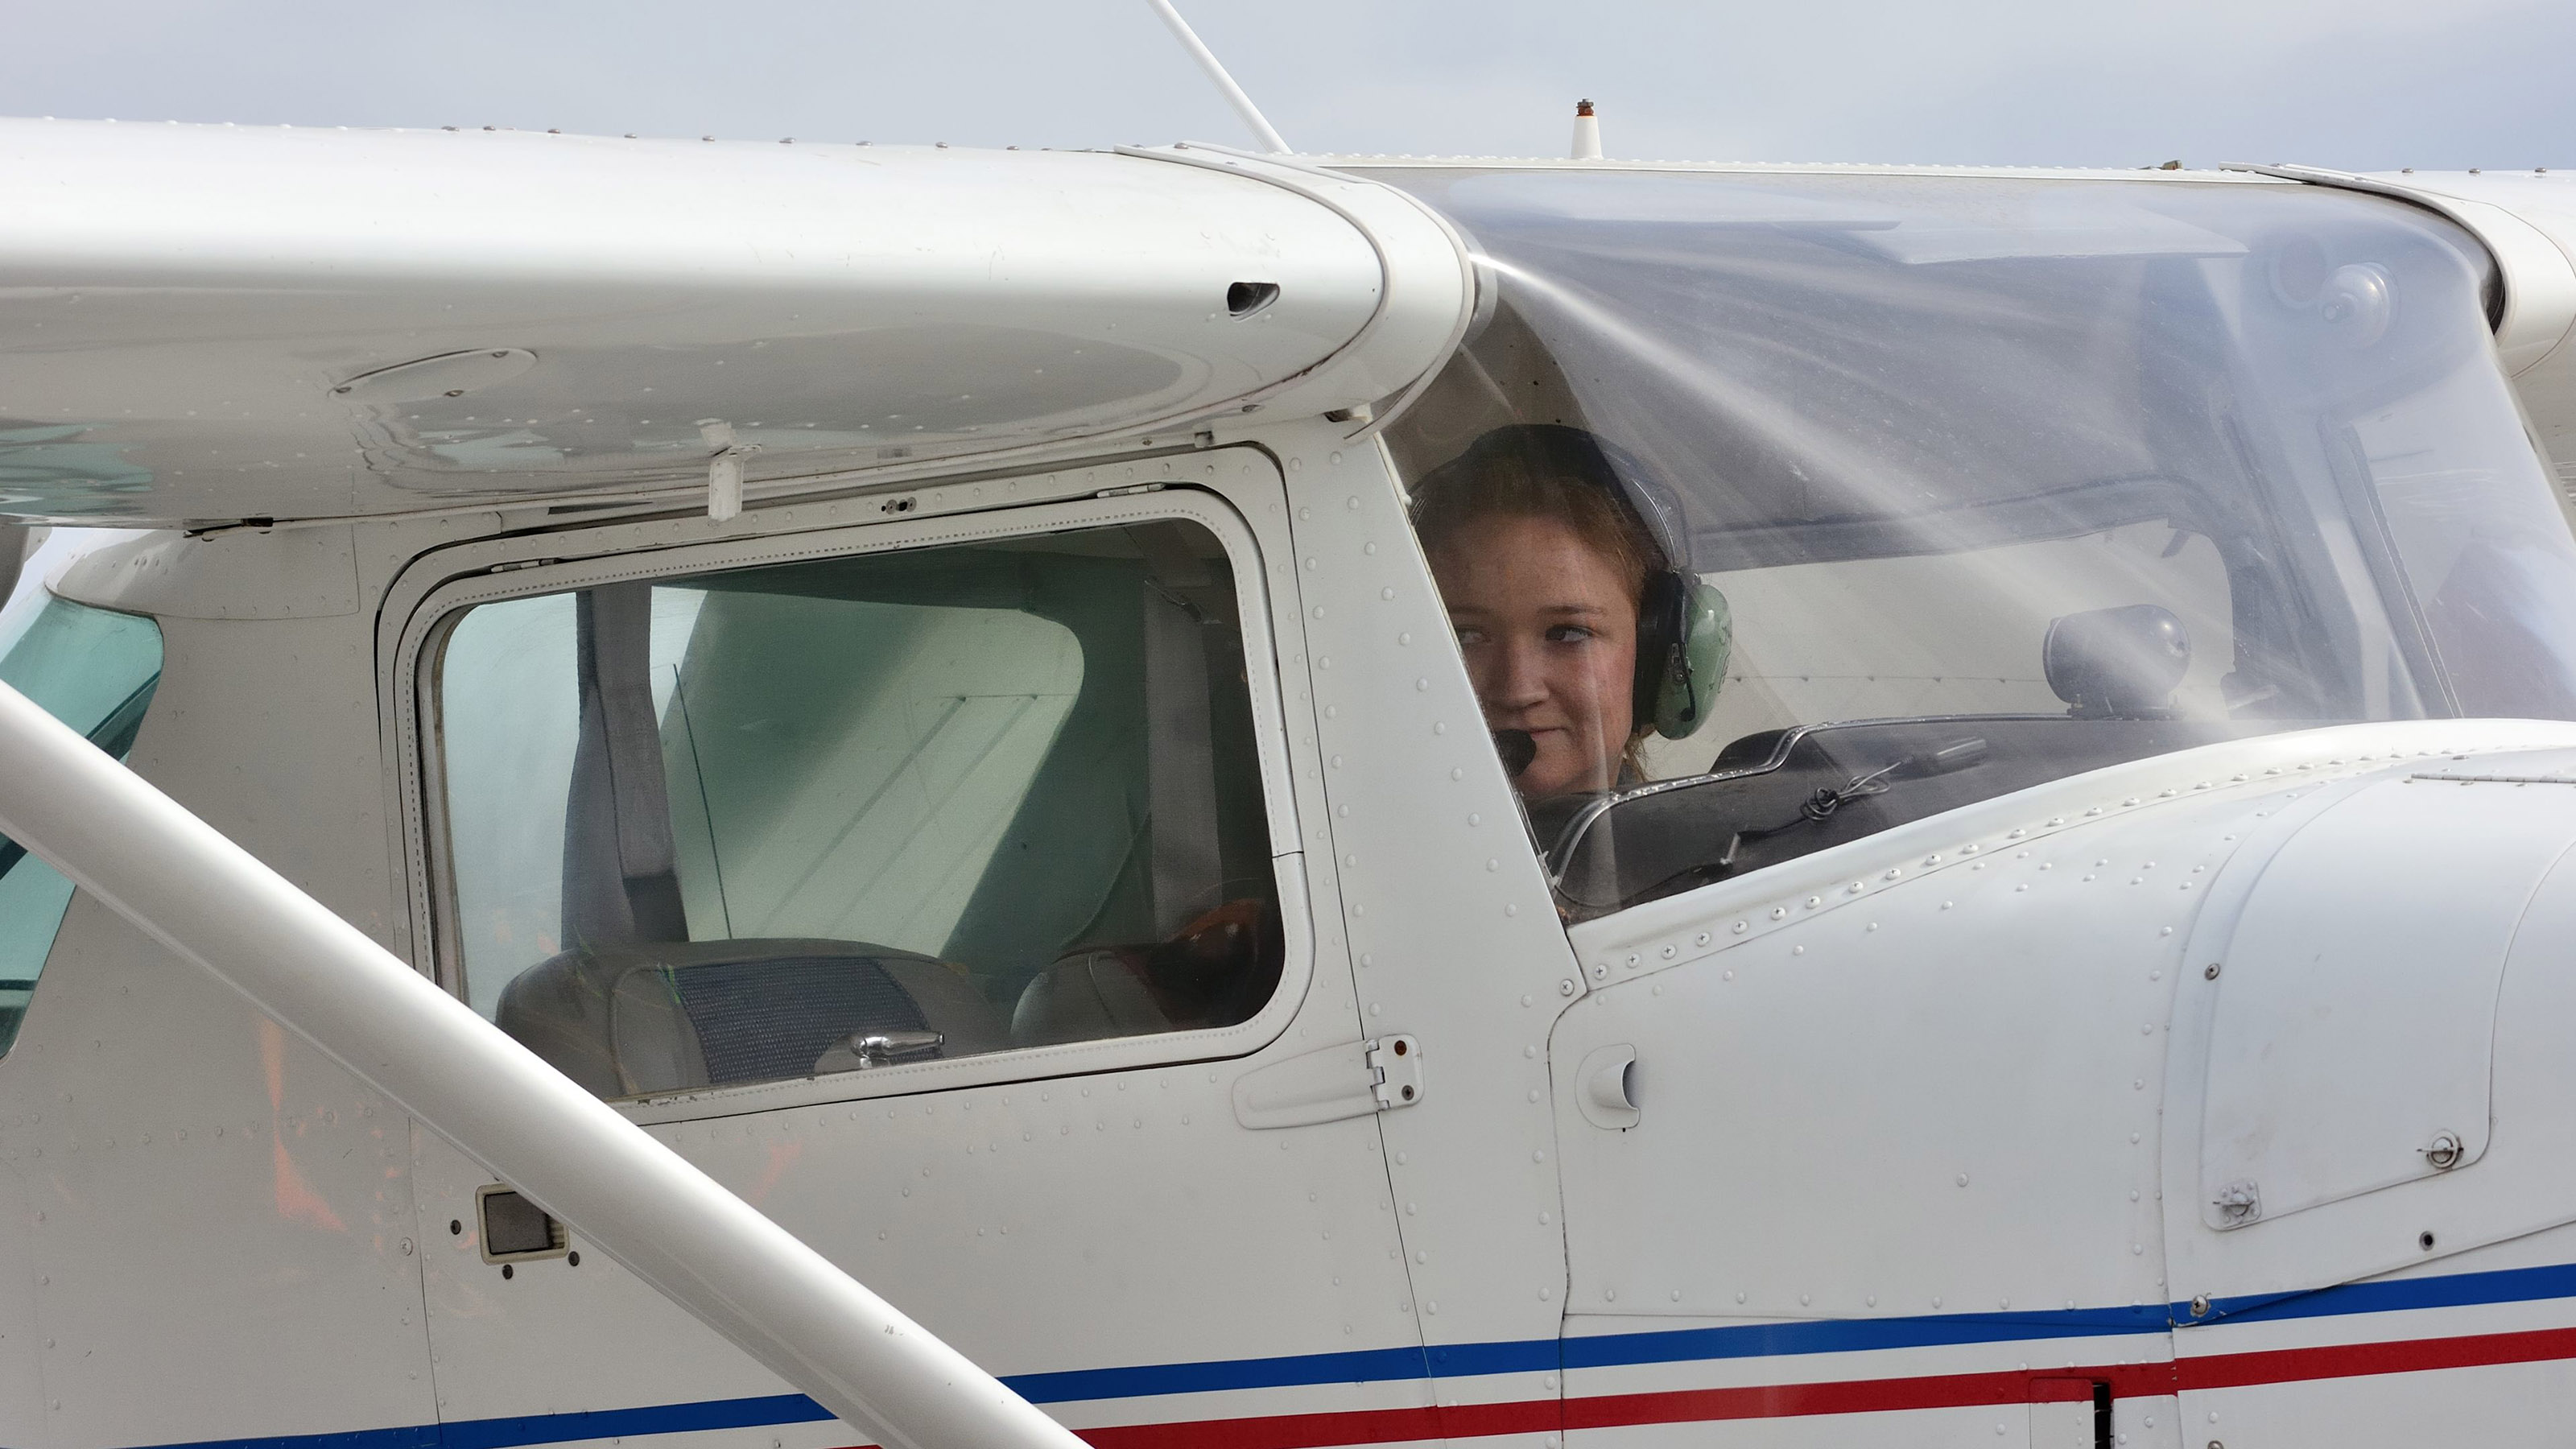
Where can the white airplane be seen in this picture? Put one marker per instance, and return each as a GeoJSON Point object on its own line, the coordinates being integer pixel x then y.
{"type": "Point", "coordinates": [704, 724]}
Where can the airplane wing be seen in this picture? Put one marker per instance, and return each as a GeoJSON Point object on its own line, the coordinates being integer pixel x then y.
{"type": "Point", "coordinates": [218, 323]}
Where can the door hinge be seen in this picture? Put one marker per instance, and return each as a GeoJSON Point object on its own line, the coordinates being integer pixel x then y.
{"type": "Point", "coordinates": [1350, 1080]}
{"type": "Point", "coordinates": [1395, 1071]}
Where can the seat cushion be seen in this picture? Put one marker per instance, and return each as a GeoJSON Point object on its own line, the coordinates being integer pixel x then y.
{"type": "Point", "coordinates": [637, 1020]}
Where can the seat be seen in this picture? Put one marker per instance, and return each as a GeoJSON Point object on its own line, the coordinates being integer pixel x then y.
{"type": "Point", "coordinates": [1087, 996]}
{"type": "Point", "coordinates": [1217, 971]}
{"type": "Point", "coordinates": [639, 1020]}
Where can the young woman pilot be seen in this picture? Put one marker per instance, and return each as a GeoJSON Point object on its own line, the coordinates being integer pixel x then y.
{"type": "Point", "coordinates": [1582, 627]}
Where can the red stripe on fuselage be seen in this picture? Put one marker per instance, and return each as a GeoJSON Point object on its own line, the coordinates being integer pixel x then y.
{"type": "Point", "coordinates": [1275, 1431]}
{"type": "Point", "coordinates": [1850, 1396]}
{"type": "Point", "coordinates": [2353, 1360]}
{"type": "Point", "coordinates": [1952, 1391]}
{"type": "Point", "coordinates": [1315, 1431]}
{"type": "Point", "coordinates": [1861, 1396]}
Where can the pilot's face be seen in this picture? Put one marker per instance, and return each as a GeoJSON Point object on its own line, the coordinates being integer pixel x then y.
{"type": "Point", "coordinates": [1550, 634]}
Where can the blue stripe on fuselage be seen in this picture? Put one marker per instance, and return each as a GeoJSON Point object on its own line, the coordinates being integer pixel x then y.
{"type": "Point", "coordinates": [1778, 1339]}
{"type": "Point", "coordinates": [2392, 1295]}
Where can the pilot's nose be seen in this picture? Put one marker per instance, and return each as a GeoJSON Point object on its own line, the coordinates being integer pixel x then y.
{"type": "Point", "coordinates": [1516, 681]}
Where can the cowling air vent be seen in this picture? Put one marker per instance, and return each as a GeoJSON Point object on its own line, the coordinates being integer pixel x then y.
{"type": "Point", "coordinates": [1245, 298]}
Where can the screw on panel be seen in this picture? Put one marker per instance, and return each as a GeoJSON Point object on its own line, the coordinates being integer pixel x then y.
{"type": "Point", "coordinates": [2444, 1152]}
{"type": "Point", "coordinates": [2200, 1305]}
{"type": "Point", "coordinates": [2209, 972]}
{"type": "Point", "coordinates": [2425, 1240]}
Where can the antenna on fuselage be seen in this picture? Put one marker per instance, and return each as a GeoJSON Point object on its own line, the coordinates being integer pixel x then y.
{"type": "Point", "coordinates": [1587, 133]}
{"type": "Point", "coordinates": [1262, 130]}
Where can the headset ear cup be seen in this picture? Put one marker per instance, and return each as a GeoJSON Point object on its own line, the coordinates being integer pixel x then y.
{"type": "Point", "coordinates": [1701, 637]}
{"type": "Point", "coordinates": [1659, 632]}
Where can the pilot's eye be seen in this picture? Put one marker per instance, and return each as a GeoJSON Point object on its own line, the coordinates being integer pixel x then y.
{"type": "Point", "coordinates": [1569, 634]}
{"type": "Point", "coordinates": [1469, 636]}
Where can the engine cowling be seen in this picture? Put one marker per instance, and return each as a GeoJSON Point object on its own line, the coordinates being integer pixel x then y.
{"type": "Point", "coordinates": [1981, 1062]}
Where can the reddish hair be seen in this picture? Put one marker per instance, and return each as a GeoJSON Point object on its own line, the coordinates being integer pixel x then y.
{"type": "Point", "coordinates": [1537, 471]}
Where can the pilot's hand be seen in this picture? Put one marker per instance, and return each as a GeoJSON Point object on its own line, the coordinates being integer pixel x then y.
{"type": "Point", "coordinates": [1218, 969]}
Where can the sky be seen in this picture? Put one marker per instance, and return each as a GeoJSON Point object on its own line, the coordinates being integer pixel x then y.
{"type": "Point", "coordinates": [2356, 84]}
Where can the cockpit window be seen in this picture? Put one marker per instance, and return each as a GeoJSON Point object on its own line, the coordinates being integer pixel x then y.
{"type": "Point", "coordinates": [1892, 493]}
{"type": "Point", "coordinates": [820, 817]}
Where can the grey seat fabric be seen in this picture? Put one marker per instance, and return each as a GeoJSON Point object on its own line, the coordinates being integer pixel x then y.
{"type": "Point", "coordinates": [620, 872]}
{"type": "Point", "coordinates": [1085, 997]}
{"type": "Point", "coordinates": [628, 1021]}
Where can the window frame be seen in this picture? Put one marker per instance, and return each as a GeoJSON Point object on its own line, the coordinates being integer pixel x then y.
{"type": "Point", "coordinates": [441, 606]}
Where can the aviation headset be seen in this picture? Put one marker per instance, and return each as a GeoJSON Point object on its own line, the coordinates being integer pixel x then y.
{"type": "Point", "coordinates": [1684, 632]}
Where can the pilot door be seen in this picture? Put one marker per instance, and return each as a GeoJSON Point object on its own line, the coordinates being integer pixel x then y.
{"type": "Point", "coordinates": [1457, 943]}
{"type": "Point", "coordinates": [927, 869]}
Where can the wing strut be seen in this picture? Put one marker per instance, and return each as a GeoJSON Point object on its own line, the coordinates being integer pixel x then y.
{"type": "Point", "coordinates": [747, 1278]}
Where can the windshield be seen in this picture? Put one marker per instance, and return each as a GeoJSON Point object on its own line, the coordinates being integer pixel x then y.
{"type": "Point", "coordinates": [1844, 499]}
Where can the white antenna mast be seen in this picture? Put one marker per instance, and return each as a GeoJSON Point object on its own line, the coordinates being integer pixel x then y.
{"type": "Point", "coordinates": [1262, 130]}
{"type": "Point", "coordinates": [1587, 133]}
